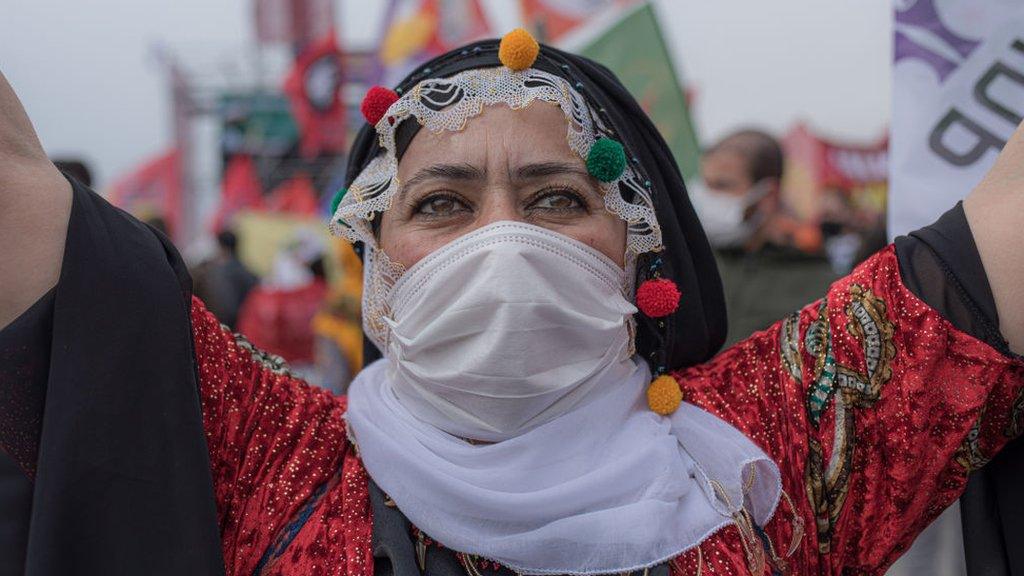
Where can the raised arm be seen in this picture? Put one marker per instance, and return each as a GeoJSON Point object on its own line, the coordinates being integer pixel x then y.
{"type": "Point", "coordinates": [35, 203]}
{"type": "Point", "coordinates": [995, 212]}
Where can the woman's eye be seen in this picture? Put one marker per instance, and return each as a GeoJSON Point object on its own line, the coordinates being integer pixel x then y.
{"type": "Point", "coordinates": [440, 206]}
{"type": "Point", "coordinates": [558, 201]}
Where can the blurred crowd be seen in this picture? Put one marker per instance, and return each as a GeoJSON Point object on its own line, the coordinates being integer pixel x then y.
{"type": "Point", "coordinates": [298, 310]}
{"type": "Point", "coordinates": [304, 309]}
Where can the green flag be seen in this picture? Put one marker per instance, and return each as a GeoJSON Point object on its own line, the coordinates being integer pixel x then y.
{"type": "Point", "coordinates": [630, 43]}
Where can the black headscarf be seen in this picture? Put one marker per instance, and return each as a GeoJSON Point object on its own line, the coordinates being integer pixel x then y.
{"type": "Point", "coordinates": [696, 331]}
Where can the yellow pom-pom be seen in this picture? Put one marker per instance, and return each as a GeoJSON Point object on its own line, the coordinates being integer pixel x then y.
{"type": "Point", "coordinates": [518, 50]}
{"type": "Point", "coordinates": [664, 395]}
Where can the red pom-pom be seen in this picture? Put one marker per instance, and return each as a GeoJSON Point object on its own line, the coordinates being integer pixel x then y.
{"type": "Point", "coordinates": [376, 103]}
{"type": "Point", "coordinates": [658, 297]}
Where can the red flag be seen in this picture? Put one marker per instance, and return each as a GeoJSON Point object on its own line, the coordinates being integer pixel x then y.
{"type": "Point", "coordinates": [153, 189]}
{"type": "Point", "coordinates": [295, 196]}
{"type": "Point", "coordinates": [829, 164]}
{"type": "Point", "coordinates": [240, 189]}
{"type": "Point", "coordinates": [292, 21]}
{"type": "Point", "coordinates": [819, 172]}
{"type": "Point", "coordinates": [313, 87]}
{"type": "Point", "coordinates": [273, 22]}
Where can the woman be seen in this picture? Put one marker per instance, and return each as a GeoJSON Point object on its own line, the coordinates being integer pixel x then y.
{"type": "Point", "coordinates": [544, 298]}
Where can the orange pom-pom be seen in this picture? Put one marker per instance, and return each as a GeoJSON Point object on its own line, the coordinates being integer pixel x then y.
{"type": "Point", "coordinates": [518, 50]}
{"type": "Point", "coordinates": [376, 103]}
{"type": "Point", "coordinates": [664, 395]}
{"type": "Point", "coordinates": [658, 297]}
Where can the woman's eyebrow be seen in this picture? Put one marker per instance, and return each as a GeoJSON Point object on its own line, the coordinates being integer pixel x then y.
{"type": "Point", "coordinates": [461, 171]}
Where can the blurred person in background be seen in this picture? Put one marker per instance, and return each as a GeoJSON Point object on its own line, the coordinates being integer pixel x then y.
{"type": "Point", "coordinates": [75, 168]}
{"type": "Point", "coordinates": [338, 325]}
{"type": "Point", "coordinates": [338, 341]}
{"type": "Point", "coordinates": [849, 236]}
{"type": "Point", "coordinates": [157, 223]}
{"type": "Point", "coordinates": [277, 315]}
{"type": "Point", "coordinates": [840, 235]}
{"type": "Point", "coordinates": [201, 257]}
{"type": "Point", "coordinates": [770, 265]}
{"type": "Point", "coordinates": [227, 280]}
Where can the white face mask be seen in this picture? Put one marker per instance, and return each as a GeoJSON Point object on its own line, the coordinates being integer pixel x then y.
{"type": "Point", "coordinates": [506, 328]}
{"type": "Point", "coordinates": [724, 216]}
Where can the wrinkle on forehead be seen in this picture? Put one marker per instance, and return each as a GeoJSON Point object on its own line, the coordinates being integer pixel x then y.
{"type": "Point", "coordinates": [499, 138]}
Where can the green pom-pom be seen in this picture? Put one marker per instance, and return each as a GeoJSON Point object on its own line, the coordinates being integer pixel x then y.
{"type": "Point", "coordinates": [337, 200]}
{"type": "Point", "coordinates": [606, 160]}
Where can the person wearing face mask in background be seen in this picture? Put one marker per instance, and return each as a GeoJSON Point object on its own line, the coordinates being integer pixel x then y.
{"type": "Point", "coordinates": [768, 263]}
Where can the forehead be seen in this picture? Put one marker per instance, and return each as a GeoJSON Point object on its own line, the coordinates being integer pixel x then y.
{"type": "Point", "coordinates": [725, 162]}
{"type": "Point", "coordinates": [535, 133]}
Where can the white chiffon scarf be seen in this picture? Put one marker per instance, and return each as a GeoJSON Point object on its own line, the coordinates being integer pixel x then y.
{"type": "Point", "coordinates": [607, 487]}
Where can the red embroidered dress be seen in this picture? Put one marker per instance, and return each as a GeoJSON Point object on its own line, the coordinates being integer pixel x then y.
{"type": "Point", "coordinates": [873, 405]}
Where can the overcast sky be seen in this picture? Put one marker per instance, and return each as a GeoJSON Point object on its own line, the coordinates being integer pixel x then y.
{"type": "Point", "coordinates": [89, 76]}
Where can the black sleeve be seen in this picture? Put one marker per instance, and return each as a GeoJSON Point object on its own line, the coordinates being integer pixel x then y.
{"type": "Point", "coordinates": [24, 369]}
{"type": "Point", "coordinates": [941, 265]}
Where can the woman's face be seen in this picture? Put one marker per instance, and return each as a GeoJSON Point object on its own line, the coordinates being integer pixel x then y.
{"type": "Point", "coordinates": [505, 165]}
